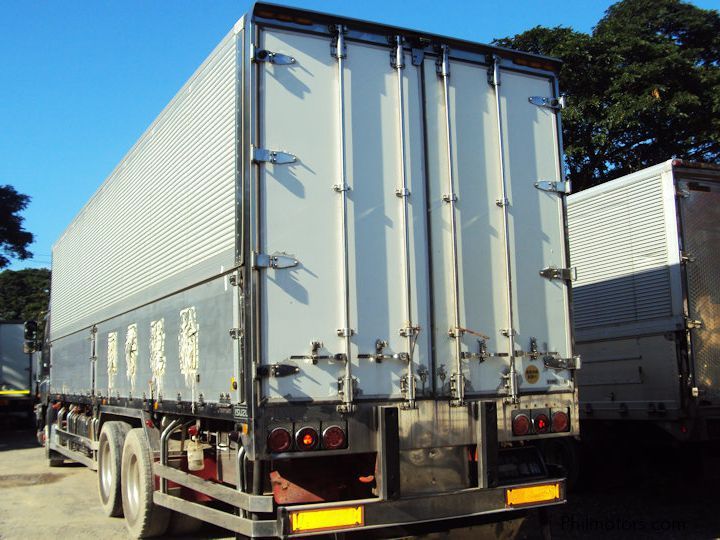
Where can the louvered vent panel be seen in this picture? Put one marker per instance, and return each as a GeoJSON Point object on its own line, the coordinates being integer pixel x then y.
{"type": "Point", "coordinates": [618, 244]}
{"type": "Point", "coordinates": [166, 209]}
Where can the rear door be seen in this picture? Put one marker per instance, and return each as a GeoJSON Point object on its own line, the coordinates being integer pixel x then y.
{"type": "Point", "coordinates": [505, 307]}
{"type": "Point", "coordinates": [302, 215]}
{"type": "Point", "coordinates": [700, 215]}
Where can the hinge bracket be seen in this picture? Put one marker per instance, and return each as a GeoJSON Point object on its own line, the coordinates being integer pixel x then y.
{"type": "Point", "coordinates": [555, 104]}
{"type": "Point", "coordinates": [493, 74]}
{"type": "Point", "coordinates": [263, 55]}
{"type": "Point", "coordinates": [555, 362]}
{"type": "Point", "coordinates": [553, 186]}
{"type": "Point", "coordinates": [263, 155]}
{"type": "Point", "coordinates": [337, 44]}
{"type": "Point", "coordinates": [565, 274]}
{"type": "Point", "coordinates": [276, 260]}
{"type": "Point", "coordinates": [397, 53]}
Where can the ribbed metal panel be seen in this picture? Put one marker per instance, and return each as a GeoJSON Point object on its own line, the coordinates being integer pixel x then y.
{"type": "Point", "coordinates": [619, 245]}
{"type": "Point", "coordinates": [167, 210]}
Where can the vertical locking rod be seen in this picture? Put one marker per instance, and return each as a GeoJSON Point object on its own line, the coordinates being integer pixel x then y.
{"type": "Point", "coordinates": [345, 332]}
{"type": "Point", "coordinates": [409, 331]}
{"type": "Point", "coordinates": [450, 199]}
{"type": "Point", "coordinates": [510, 332]}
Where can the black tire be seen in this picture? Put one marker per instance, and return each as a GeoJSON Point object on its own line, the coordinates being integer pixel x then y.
{"type": "Point", "coordinates": [110, 449]}
{"type": "Point", "coordinates": [143, 518]}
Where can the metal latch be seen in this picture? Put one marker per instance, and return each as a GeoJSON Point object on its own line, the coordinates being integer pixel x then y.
{"type": "Point", "coordinates": [565, 274]}
{"type": "Point", "coordinates": [693, 324]}
{"type": "Point", "coordinates": [263, 155]}
{"type": "Point", "coordinates": [555, 362]}
{"type": "Point", "coordinates": [263, 55]}
{"type": "Point", "coordinates": [315, 347]}
{"type": "Point", "coordinates": [381, 355]}
{"type": "Point", "coordinates": [556, 187]}
{"type": "Point", "coordinates": [276, 370]}
{"type": "Point", "coordinates": [276, 260]}
{"type": "Point", "coordinates": [551, 103]}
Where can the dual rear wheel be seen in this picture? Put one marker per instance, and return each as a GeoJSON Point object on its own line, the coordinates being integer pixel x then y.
{"type": "Point", "coordinates": [126, 484]}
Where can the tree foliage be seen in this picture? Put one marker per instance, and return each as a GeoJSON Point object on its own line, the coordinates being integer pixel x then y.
{"type": "Point", "coordinates": [14, 240]}
{"type": "Point", "coordinates": [642, 88]}
{"type": "Point", "coordinates": [24, 294]}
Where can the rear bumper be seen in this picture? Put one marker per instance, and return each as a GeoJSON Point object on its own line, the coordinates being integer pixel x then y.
{"type": "Point", "coordinates": [423, 509]}
{"type": "Point", "coordinates": [375, 513]}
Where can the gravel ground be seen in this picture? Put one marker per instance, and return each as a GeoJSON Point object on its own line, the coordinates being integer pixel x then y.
{"type": "Point", "coordinates": [630, 491]}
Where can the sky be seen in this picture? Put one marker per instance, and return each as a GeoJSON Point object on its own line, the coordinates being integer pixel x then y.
{"type": "Point", "coordinates": [80, 81]}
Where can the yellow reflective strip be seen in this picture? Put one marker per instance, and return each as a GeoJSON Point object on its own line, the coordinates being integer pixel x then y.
{"type": "Point", "coordinates": [532, 494]}
{"type": "Point", "coordinates": [14, 392]}
{"type": "Point", "coordinates": [327, 518]}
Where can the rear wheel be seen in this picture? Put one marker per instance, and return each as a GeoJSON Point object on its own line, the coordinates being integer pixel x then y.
{"type": "Point", "coordinates": [110, 449]}
{"type": "Point", "coordinates": [144, 519]}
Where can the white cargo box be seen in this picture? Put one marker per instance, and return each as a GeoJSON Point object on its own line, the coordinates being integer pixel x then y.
{"type": "Point", "coordinates": [647, 298]}
{"type": "Point", "coordinates": [334, 216]}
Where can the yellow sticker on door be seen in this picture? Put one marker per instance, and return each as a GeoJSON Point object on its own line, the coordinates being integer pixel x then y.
{"type": "Point", "coordinates": [532, 374]}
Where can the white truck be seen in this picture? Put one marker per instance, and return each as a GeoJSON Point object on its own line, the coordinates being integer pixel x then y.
{"type": "Point", "coordinates": [647, 299]}
{"type": "Point", "coordinates": [17, 391]}
{"type": "Point", "coordinates": [327, 290]}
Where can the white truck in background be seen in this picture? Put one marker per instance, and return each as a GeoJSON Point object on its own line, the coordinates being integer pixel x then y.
{"type": "Point", "coordinates": [326, 291]}
{"type": "Point", "coordinates": [647, 300]}
{"type": "Point", "coordinates": [17, 388]}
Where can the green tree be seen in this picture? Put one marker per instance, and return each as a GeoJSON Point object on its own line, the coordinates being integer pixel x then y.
{"type": "Point", "coordinates": [642, 88]}
{"type": "Point", "coordinates": [24, 294]}
{"type": "Point", "coordinates": [14, 240]}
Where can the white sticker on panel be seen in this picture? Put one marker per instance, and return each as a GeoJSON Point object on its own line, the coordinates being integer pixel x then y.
{"type": "Point", "coordinates": [189, 348]}
{"type": "Point", "coordinates": [131, 354]}
{"type": "Point", "coordinates": [157, 355]}
{"type": "Point", "coordinates": [112, 368]}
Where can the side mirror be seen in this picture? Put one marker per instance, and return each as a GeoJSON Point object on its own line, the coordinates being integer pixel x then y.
{"type": "Point", "coordinates": [31, 342]}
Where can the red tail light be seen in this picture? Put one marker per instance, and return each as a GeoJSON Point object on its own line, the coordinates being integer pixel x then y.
{"type": "Point", "coordinates": [279, 440]}
{"type": "Point", "coordinates": [306, 438]}
{"type": "Point", "coordinates": [560, 421]}
{"type": "Point", "coordinates": [521, 424]}
{"type": "Point", "coordinates": [333, 438]}
{"type": "Point", "coordinates": [542, 423]}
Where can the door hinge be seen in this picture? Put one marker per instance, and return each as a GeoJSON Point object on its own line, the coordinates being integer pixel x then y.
{"type": "Point", "coordinates": [263, 55]}
{"type": "Point", "coordinates": [276, 370]}
{"type": "Point", "coordinates": [555, 362]}
{"type": "Point", "coordinates": [555, 104]}
{"type": "Point", "coordinates": [686, 258]}
{"type": "Point", "coordinates": [553, 186]}
{"type": "Point", "coordinates": [276, 260]}
{"type": "Point", "coordinates": [693, 324]}
{"type": "Point", "coordinates": [263, 155]}
{"type": "Point", "coordinates": [565, 274]}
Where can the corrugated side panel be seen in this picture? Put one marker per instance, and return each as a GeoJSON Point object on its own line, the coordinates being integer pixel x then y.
{"type": "Point", "coordinates": [618, 244]}
{"type": "Point", "coordinates": [167, 210]}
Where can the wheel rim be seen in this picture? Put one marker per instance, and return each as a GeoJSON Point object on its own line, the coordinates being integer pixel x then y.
{"type": "Point", "coordinates": [132, 487]}
{"type": "Point", "coordinates": [105, 466]}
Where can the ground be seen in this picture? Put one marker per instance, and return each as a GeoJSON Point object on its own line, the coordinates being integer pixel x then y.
{"type": "Point", "coordinates": [629, 491]}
